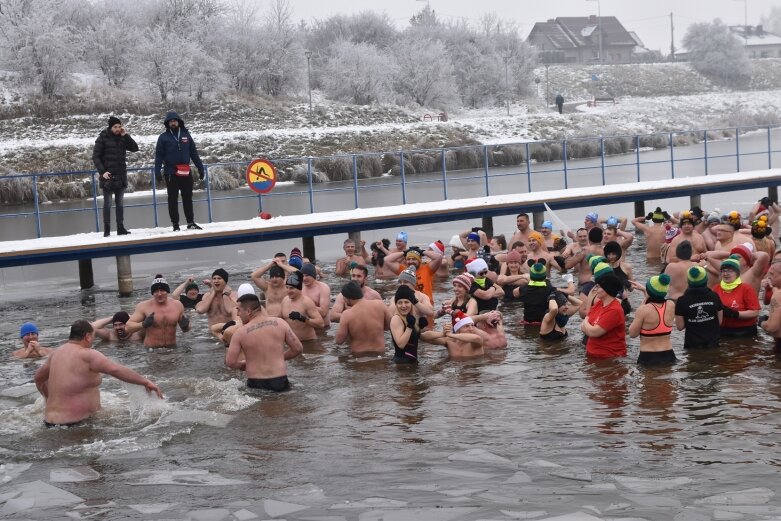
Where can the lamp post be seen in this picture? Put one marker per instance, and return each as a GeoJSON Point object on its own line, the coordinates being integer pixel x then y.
{"type": "Point", "coordinates": [507, 82]}
{"type": "Point", "coordinates": [745, 21]}
{"type": "Point", "coordinates": [547, 85]}
{"type": "Point", "coordinates": [599, 27]}
{"type": "Point", "coordinates": [308, 55]}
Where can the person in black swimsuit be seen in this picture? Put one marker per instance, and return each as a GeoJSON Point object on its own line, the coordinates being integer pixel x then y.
{"type": "Point", "coordinates": [560, 308]}
{"type": "Point", "coordinates": [405, 327]}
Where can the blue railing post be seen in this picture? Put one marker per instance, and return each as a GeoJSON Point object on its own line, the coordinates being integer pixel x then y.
{"type": "Point", "coordinates": [154, 194]}
{"type": "Point", "coordinates": [528, 167]}
{"type": "Point", "coordinates": [637, 155]}
{"type": "Point", "coordinates": [355, 179]}
{"type": "Point", "coordinates": [737, 148]}
{"type": "Point", "coordinates": [206, 180]}
{"type": "Point", "coordinates": [403, 179]}
{"type": "Point", "coordinates": [705, 142]}
{"type": "Point", "coordinates": [37, 207]}
{"type": "Point", "coordinates": [602, 157]}
{"type": "Point", "coordinates": [672, 157]}
{"type": "Point", "coordinates": [309, 182]}
{"type": "Point", "coordinates": [485, 167]}
{"type": "Point", "coordinates": [769, 149]}
{"type": "Point", "coordinates": [95, 203]}
{"type": "Point", "coordinates": [444, 174]}
{"type": "Point", "coordinates": [564, 159]}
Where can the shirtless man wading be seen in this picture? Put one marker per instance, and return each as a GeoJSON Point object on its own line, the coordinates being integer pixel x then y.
{"type": "Point", "coordinates": [159, 316]}
{"type": "Point", "coordinates": [364, 323]}
{"type": "Point", "coordinates": [358, 274]}
{"type": "Point", "coordinates": [274, 286]}
{"type": "Point", "coordinates": [32, 349]}
{"type": "Point", "coordinates": [217, 303]}
{"type": "Point", "coordinates": [318, 292]}
{"type": "Point", "coordinates": [70, 379]}
{"type": "Point", "coordinates": [258, 347]}
{"type": "Point", "coordinates": [299, 310]}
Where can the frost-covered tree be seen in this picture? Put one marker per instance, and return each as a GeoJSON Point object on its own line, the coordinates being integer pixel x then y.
{"type": "Point", "coordinates": [358, 73]}
{"type": "Point", "coordinates": [716, 52]}
{"type": "Point", "coordinates": [771, 22]}
{"type": "Point", "coordinates": [39, 42]}
{"type": "Point", "coordinates": [425, 73]}
{"type": "Point", "coordinates": [281, 52]}
{"type": "Point", "coordinates": [167, 60]}
{"type": "Point", "coordinates": [109, 46]}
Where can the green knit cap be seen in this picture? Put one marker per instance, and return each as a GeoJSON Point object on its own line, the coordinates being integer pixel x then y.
{"type": "Point", "coordinates": [538, 271]}
{"type": "Point", "coordinates": [593, 260]}
{"type": "Point", "coordinates": [697, 277]}
{"type": "Point", "coordinates": [658, 285]}
{"type": "Point", "coordinates": [732, 262]}
{"type": "Point", "coordinates": [600, 269]}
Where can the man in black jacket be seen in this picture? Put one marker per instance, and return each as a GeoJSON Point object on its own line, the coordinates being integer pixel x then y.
{"type": "Point", "coordinates": [110, 159]}
{"type": "Point", "coordinates": [175, 148]}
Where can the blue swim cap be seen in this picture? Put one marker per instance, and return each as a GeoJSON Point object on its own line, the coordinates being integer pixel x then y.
{"type": "Point", "coordinates": [593, 217]}
{"type": "Point", "coordinates": [27, 328]}
{"type": "Point", "coordinates": [547, 224]}
{"type": "Point", "coordinates": [473, 237]}
{"type": "Point", "coordinates": [402, 237]}
{"type": "Point", "coordinates": [612, 221]}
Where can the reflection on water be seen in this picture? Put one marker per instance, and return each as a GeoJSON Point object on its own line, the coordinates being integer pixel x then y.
{"type": "Point", "coordinates": [567, 429]}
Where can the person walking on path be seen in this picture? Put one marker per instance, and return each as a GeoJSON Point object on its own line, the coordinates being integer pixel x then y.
{"type": "Point", "coordinates": [560, 102]}
{"type": "Point", "coordinates": [173, 153]}
{"type": "Point", "coordinates": [110, 159]}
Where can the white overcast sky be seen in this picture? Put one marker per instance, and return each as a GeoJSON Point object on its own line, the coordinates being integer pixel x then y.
{"type": "Point", "coordinates": [649, 18]}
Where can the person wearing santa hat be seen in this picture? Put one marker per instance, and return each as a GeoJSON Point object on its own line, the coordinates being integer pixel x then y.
{"type": "Point", "coordinates": [461, 337]}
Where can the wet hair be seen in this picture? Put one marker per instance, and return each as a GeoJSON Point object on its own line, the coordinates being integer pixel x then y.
{"type": "Point", "coordinates": [280, 254]}
{"type": "Point", "coordinates": [276, 271]}
{"type": "Point", "coordinates": [501, 241]}
{"type": "Point", "coordinates": [79, 330]}
{"type": "Point", "coordinates": [249, 301]}
{"type": "Point", "coordinates": [361, 267]}
{"type": "Point", "coordinates": [517, 244]}
{"type": "Point", "coordinates": [523, 214]}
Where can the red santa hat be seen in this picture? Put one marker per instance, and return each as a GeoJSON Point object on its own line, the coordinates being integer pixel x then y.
{"type": "Point", "coordinates": [461, 319]}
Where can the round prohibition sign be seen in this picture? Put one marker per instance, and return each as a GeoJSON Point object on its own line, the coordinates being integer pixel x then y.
{"type": "Point", "coordinates": [261, 176]}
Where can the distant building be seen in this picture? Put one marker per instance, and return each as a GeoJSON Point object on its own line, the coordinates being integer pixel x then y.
{"type": "Point", "coordinates": [759, 43]}
{"type": "Point", "coordinates": [576, 40]}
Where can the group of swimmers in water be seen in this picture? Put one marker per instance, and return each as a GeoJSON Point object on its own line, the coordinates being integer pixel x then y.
{"type": "Point", "coordinates": [713, 270]}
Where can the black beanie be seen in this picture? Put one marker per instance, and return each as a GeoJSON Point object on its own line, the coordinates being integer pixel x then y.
{"type": "Point", "coordinates": [405, 293]}
{"type": "Point", "coordinates": [221, 273]}
{"type": "Point", "coordinates": [595, 235]}
{"type": "Point", "coordinates": [614, 248]}
{"type": "Point", "coordinates": [113, 120]}
{"type": "Point", "coordinates": [610, 283]}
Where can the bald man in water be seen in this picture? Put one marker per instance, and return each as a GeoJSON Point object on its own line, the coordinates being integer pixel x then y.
{"type": "Point", "coordinates": [70, 379]}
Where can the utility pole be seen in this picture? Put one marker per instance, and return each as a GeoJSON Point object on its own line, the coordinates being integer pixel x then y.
{"type": "Point", "coordinates": [672, 38]}
{"type": "Point", "coordinates": [599, 27]}
{"type": "Point", "coordinates": [507, 82]}
{"type": "Point", "coordinates": [547, 85]}
{"type": "Point", "coordinates": [309, 77]}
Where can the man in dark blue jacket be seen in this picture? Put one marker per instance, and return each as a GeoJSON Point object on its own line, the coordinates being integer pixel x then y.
{"type": "Point", "coordinates": [175, 148]}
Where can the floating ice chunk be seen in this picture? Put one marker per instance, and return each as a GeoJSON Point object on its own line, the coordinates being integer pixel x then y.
{"type": "Point", "coordinates": [324, 518]}
{"type": "Point", "coordinates": [690, 514]}
{"type": "Point", "coordinates": [190, 416]}
{"type": "Point", "coordinates": [519, 477]}
{"type": "Point", "coordinates": [73, 475]}
{"type": "Point", "coordinates": [600, 486]}
{"type": "Point", "coordinates": [617, 506]}
{"type": "Point", "coordinates": [461, 473]}
{"type": "Point", "coordinates": [244, 515]}
{"type": "Point", "coordinates": [370, 502]}
{"type": "Point", "coordinates": [648, 485]}
{"type": "Point", "coordinates": [575, 516]}
{"type": "Point", "coordinates": [461, 491]}
{"type": "Point", "coordinates": [280, 508]}
{"type": "Point", "coordinates": [574, 473]}
{"type": "Point", "coordinates": [191, 477]}
{"type": "Point", "coordinates": [417, 514]}
{"type": "Point", "coordinates": [648, 500]}
{"type": "Point", "coordinates": [540, 463]}
{"type": "Point", "coordinates": [505, 370]}
{"type": "Point", "coordinates": [723, 515]}
{"type": "Point", "coordinates": [762, 510]}
{"type": "Point", "coordinates": [531, 514]}
{"type": "Point", "coordinates": [209, 514]}
{"type": "Point", "coordinates": [750, 496]}
{"type": "Point", "coordinates": [306, 494]}
{"type": "Point", "coordinates": [19, 390]}
{"type": "Point", "coordinates": [9, 471]}
{"type": "Point", "coordinates": [16, 505]}
{"type": "Point", "coordinates": [38, 494]}
{"type": "Point", "coordinates": [480, 456]}
{"type": "Point", "coordinates": [426, 487]}
{"type": "Point", "coordinates": [152, 508]}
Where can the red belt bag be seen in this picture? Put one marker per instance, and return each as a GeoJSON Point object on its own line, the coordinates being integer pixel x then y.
{"type": "Point", "coordinates": [182, 170]}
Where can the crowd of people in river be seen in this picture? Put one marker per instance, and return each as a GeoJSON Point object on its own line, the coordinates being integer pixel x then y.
{"type": "Point", "coordinates": [715, 270]}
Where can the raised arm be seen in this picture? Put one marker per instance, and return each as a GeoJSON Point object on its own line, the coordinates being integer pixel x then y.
{"type": "Point", "coordinates": [99, 363]}
{"type": "Point", "coordinates": [258, 278]}
{"type": "Point", "coordinates": [180, 288]}
{"type": "Point", "coordinates": [99, 326]}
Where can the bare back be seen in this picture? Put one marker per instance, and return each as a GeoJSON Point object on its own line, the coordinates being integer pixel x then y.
{"type": "Point", "coordinates": [73, 387]}
{"type": "Point", "coordinates": [365, 324]}
{"type": "Point", "coordinates": [263, 343]}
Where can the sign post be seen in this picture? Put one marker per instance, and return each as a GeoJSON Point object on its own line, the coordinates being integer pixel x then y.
{"type": "Point", "coordinates": [261, 176]}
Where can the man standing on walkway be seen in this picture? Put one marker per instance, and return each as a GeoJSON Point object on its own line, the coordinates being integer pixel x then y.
{"type": "Point", "coordinates": [560, 102]}
{"type": "Point", "coordinates": [110, 159]}
{"type": "Point", "coordinates": [175, 148]}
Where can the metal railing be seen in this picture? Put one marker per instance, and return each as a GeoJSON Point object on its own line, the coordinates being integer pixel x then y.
{"type": "Point", "coordinates": [482, 169]}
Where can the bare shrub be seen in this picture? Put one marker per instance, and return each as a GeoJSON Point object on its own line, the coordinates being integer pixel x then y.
{"type": "Point", "coordinates": [299, 175]}
{"type": "Point", "coordinates": [408, 169]}
{"type": "Point", "coordinates": [555, 151]}
{"type": "Point", "coordinates": [15, 190]}
{"type": "Point", "coordinates": [389, 161]}
{"type": "Point", "coordinates": [612, 146]}
{"type": "Point", "coordinates": [451, 160]}
{"type": "Point", "coordinates": [540, 153]}
{"type": "Point", "coordinates": [369, 166]}
{"type": "Point", "coordinates": [423, 163]}
{"type": "Point", "coordinates": [336, 168]}
{"type": "Point", "coordinates": [468, 158]}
